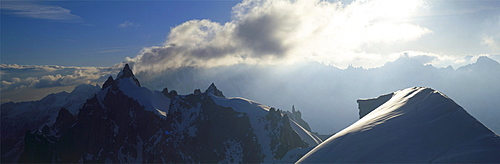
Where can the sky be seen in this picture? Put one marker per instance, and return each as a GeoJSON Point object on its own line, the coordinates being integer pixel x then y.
{"type": "Point", "coordinates": [60, 44]}
{"type": "Point", "coordinates": [96, 33]}
{"type": "Point", "coordinates": [103, 33]}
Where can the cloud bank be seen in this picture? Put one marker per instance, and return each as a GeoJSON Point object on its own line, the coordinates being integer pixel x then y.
{"type": "Point", "coordinates": [286, 31]}
{"type": "Point", "coordinates": [22, 76]}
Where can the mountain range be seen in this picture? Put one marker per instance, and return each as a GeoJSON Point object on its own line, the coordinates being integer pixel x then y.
{"type": "Point", "coordinates": [326, 95]}
{"type": "Point", "coordinates": [124, 122]}
{"type": "Point", "coordinates": [17, 118]}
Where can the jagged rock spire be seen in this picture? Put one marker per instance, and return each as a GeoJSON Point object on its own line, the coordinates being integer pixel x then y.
{"type": "Point", "coordinates": [212, 89]}
{"type": "Point", "coordinates": [367, 105]}
{"type": "Point", "coordinates": [126, 73]}
{"type": "Point", "coordinates": [108, 82]}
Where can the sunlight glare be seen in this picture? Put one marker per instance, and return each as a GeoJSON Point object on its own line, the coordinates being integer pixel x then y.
{"type": "Point", "coordinates": [397, 9]}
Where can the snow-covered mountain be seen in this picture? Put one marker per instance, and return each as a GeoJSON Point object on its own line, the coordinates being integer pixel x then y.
{"type": "Point", "coordinates": [127, 123]}
{"type": "Point", "coordinates": [326, 94]}
{"type": "Point", "coordinates": [16, 118]}
{"type": "Point", "coordinates": [417, 125]}
{"type": "Point", "coordinates": [208, 127]}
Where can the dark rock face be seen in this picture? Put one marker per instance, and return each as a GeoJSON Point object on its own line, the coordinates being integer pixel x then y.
{"type": "Point", "coordinates": [64, 120]}
{"type": "Point", "coordinates": [118, 129]}
{"type": "Point", "coordinates": [296, 116]}
{"type": "Point", "coordinates": [108, 82]}
{"type": "Point", "coordinates": [111, 130]}
{"type": "Point", "coordinates": [202, 131]}
{"type": "Point", "coordinates": [126, 73]}
{"type": "Point", "coordinates": [36, 149]}
{"type": "Point", "coordinates": [165, 91]}
{"type": "Point", "coordinates": [197, 91]}
{"type": "Point", "coordinates": [367, 105]}
{"type": "Point", "coordinates": [17, 118]}
{"type": "Point", "coordinates": [212, 89]}
{"type": "Point", "coordinates": [283, 138]}
{"type": "Point", "coordinates": [112, 127]}
{"type": "Point", "coordinates": [172, 94]}
{"type": "Point", "coordinates": [13, 132]}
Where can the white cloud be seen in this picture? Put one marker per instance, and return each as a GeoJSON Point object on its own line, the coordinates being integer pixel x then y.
{"type": "Point", "coordinates": [51, 76]}
{"type": "Point", "coordinates": [285, 31]}
{"type": "Point", "coordinates": [127, 24]}
{"type": "Point", "coordinates": [491, 33]}
{"type": "Point", "coordinates": [38, 11]}
{"type": "Point", "coordinates": [491, 42]}
{"type": "Point", "coordinates": [440, 60]}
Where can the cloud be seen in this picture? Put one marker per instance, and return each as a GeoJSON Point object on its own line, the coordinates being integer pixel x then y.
{"type": "Point", "coordinates": [440, 60]}
{"type": "Point", "coordinates": [38, 11]}
{"type": "Point", "coordinates": [285, 31]}
{"type": "Point", "coordinates": [491, 33]}
{"type": "Point", "coordinates": [491, 42]}
{"type": "Point", "coordinates": [127, 24]}
{"type": "Point", "coordinates": [29, 76]}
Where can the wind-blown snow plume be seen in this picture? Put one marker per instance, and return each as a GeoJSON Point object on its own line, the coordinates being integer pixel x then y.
{"type": "Point", "coordinates": [267, 32]}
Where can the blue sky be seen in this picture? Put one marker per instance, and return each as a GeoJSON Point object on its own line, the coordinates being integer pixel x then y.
{"type": "Point", "coordinates": [93, 35]}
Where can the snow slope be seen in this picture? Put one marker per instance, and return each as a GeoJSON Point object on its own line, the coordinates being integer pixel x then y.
{"type": "Point", "coordinates": [152, 100]}
{"type": "Point", "coordinates": [310, 138]}
{"type": "Point", "coordinates": [257, 112]}
{"type": "Point", "coordinates": [415, 125]}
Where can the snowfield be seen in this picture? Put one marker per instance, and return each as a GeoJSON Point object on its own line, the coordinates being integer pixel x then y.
{"type": "Point", "coordinates": [152, 100]}
{"type": "Point", "coordinates": [414, 125]}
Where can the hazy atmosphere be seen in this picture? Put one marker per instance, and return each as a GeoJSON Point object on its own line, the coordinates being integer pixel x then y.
{"type": "Point", "coordinates": [285, 74]}
{"type": "Point", "coordinates": [48, 47]}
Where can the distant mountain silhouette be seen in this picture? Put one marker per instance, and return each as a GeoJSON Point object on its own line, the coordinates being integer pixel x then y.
{"type": "Point", "coordinates": [323, 92]}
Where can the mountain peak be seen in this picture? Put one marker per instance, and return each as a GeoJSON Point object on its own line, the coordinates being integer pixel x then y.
{"type": "Point", "coordinates": [212, 89]}
{"type": "Point", "coordinates": [482, 63]}
{"type": "Point", "coordinates": [127, 73]}
{"type": "Point", "coordinates": [405, 61]}
{"type": "Point", "coordinates": [419, 118]}
{"type": "Point", "coordinates": [486, 60]}
{"type": "Point", "coordinates": [108, 82]}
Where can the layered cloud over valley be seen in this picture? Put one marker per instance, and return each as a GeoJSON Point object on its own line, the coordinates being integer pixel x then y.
{"type": "Point", "coordinates": [21, 76]}
{"type": "Point", "coordinates": [47, 79]}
